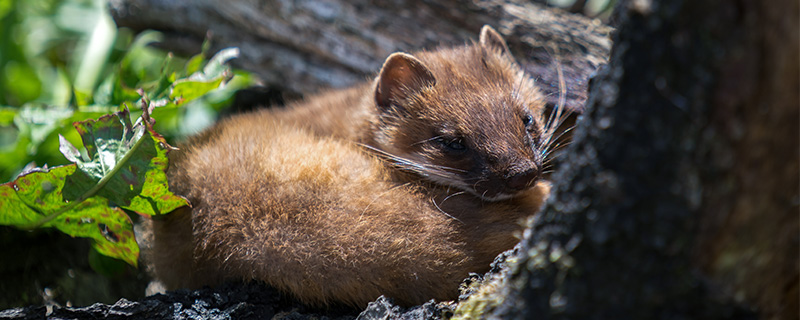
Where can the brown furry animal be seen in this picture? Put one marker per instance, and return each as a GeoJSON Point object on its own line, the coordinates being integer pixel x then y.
{"type": "Point", "coordinates": [399, 187]}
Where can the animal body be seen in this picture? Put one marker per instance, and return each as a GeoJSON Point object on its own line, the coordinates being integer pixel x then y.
{"type": "Point", "coordinates": [397, 187]}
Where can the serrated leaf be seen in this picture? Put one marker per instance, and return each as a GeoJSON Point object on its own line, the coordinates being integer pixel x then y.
{"type": "Point", "coordinates": [124, 167]}
{"type": "Point", "coordinates": [38, 194]}
{"type": "Point", "coordinates": [131, 160]}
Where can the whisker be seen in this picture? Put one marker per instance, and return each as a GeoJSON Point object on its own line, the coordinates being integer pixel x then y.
{"type": "Point", "coordinates": [410, 165]}
{"type": "Point", "coordinates": [556, 118]}
{"type": "Point", "coordinates": [557, 147]}
{"type": "Point", "coordinates": [475, 185]}
{"type": "Point", "coordinates": [549, 155]}
{"type": "Point", "coordinates": [559, 136]}
{"type": "Point", "coordinates": [426, 140]}
{"type": "Point", "coordinates": [550, 132]}
{"type": "Point", "coordinates": [453, 195]}
{"type": "Point", "coordinates": [518, 87]}
{"type": "Point", "coordinates": [445, 213]}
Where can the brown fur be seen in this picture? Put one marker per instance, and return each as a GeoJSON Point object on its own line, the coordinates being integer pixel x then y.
{"type": "Point", "coordinates": [366, 191]}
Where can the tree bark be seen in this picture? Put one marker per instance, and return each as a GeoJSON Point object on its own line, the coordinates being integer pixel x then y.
{"type": "Point", "coordinates": [679, 195]}
{"type": "Point", "coordinates": [304, 46]}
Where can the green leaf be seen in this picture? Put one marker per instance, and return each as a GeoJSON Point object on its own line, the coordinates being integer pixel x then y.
{"type": "Point", "coordinates": [21, 81]}
{"type": "Point", "coordinates": [130, 159]}
{"type": "Point", "coordinates": [195, 63]}
{"type": "Point", "coordinates": [214, 75]}
{"type": "Point", "coordinates": [36, 195]}
{"type": "Point", "coordinates": [82, 98]}
{"type": "Point", "coordinates": [37, 122]}
{"type": "Point", "coordinates": [106, 265]}
{"type": "Point", "coordinates": [123, 165]}
{"type": "Point", "coordinates": [96, 53]}
{"type": "Point", "coordinates": [186, 90]}
{"type": "Point", "coordinates": [5, 8]}
{"type": "Point", "coordinates": [62, 62]}
{"type": "Point", "coordinates": [13, 152]}
{"type": "Point", "coordinates": [7, 115]}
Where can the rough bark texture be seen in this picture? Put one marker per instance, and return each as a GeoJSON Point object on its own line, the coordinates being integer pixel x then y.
{"type": "Point", "coordinates": [303, 46]}
{"type": "Point", "coordinates": [686, 160]}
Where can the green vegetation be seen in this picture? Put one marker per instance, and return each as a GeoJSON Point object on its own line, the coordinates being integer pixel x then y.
{"type": "Point", "coordinates": [63, 62]}
{"type": "Point", "coordinates": [123, 166]}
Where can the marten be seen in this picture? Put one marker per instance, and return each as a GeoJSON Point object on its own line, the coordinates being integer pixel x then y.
{"type": "Point", "coordinates": [400, 187]}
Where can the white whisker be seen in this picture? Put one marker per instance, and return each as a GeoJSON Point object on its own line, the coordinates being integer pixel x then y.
{"type": "Point", "coordinates": [445, 213]}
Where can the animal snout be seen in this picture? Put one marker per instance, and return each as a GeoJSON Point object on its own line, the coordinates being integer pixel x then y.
{"type": "Point", "coordinates": [522, 180]}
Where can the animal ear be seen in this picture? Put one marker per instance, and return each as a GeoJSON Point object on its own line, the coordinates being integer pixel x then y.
{"type": "Point", "coordinates": [402, 75]}
{"type": "Point", "coordinates": [493, 41]}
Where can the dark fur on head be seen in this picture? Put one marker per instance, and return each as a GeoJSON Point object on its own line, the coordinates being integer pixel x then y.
{"type": "Point", "coordinates": [479, 128]}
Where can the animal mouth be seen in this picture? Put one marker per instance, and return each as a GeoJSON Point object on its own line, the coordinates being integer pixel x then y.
{"type": "Point", "coordinates": [497, 195]}
{"type": "Point", "coordinates": [502, 189]}
{"type": "Point", "coordinates": [485, 190]}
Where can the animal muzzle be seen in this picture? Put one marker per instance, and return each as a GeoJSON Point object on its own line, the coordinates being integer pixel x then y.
{"type": "Point", "coordinates": [518, 181]}
{"type": "Point", "coordinates": [504, 186]}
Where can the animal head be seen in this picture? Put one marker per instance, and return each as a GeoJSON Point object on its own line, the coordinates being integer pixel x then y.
{"type": "Point", "coordinates": [465, 117]}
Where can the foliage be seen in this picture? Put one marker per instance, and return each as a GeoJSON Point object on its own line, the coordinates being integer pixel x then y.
{"type": "Point", "coordinates": [62, 62]}
{"type": "Point", "coordinates": [65, 61]}
{"type": "Point", "coordinates": [122, 164]}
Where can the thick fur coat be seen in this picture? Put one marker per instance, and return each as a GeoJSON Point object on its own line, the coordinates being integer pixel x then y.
{"type": "Point", "coordinates": [399, 187]}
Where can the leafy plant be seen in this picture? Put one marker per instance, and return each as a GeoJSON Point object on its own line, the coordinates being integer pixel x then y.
{"type": "Point", "coordinates": [77, 70]}
{"type": "Point", "coordinates": [122, 164]}
{"type": "Point", "coordinates": [65, 61]}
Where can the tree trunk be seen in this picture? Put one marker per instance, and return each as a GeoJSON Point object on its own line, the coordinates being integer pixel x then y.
{"type": "Point", "coordinates": [680, 190]}
{"type": "Point", "coordinates": [303, 46]}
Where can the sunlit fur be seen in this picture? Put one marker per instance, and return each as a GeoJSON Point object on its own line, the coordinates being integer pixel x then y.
{"type": "Point", "coordinates": [338, 200]}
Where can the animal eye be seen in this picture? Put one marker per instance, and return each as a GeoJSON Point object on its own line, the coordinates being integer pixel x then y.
{"type": "Point", "coordinates": [527, 120]}
{"type": "Point", "coordinates": [455, 145]}
{"type": "Point", "coordinates": [452, 144]}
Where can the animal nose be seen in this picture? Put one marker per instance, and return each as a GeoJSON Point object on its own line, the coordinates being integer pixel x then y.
{"type": "Point", "coordinates": [522, 180]}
